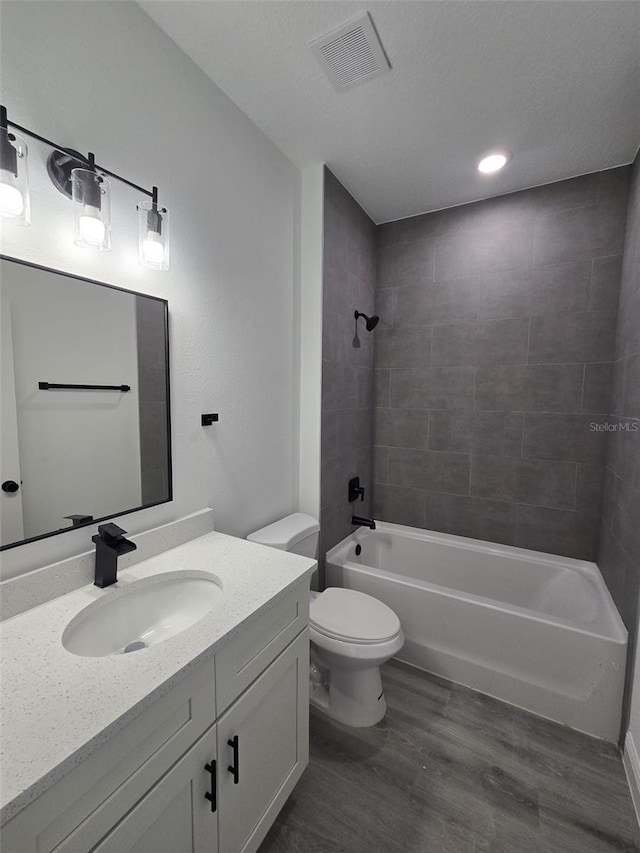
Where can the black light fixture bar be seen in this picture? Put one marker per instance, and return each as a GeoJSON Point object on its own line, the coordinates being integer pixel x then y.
{"type": "Point", "coordinates": [48, 386]}
{"type": "Point", "coordinates": [5, 122]}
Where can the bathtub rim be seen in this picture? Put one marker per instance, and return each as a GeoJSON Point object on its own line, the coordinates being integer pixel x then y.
{"type": "Point", "coordinates": [617, 630]}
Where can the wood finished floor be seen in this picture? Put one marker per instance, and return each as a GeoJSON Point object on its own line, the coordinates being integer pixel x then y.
{"type": "Point", "coordinates": [452, 771]}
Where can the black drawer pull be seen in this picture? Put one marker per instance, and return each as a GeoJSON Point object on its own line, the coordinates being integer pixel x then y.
{"type": "Point", "coordinates": [235, 767]}
{"type": "Point", "coordinates": [211, 768]}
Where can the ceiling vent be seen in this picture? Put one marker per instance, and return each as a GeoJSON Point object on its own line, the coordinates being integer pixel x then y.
{"type": "Point", "coordinates": [351, 53]}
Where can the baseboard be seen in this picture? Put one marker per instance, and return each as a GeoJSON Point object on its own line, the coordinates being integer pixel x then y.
{"type": "Point", "coordinates": [631, 761]}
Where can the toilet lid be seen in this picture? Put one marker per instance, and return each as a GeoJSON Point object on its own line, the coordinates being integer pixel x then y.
{"type": "Point", "coordinates": [349, 615]}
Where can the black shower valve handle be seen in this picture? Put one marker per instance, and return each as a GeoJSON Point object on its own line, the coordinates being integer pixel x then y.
{"type": "Point", "coordinates": [355, 490]}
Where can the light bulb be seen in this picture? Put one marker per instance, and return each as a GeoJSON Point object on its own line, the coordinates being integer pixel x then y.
{"type": "Point", "coordinates": [11, 200]}
{"type": "Point", "coordinates": [493, 162]}
{"type": "Point", "coordinates": [153, 234]}
{"type": "Point", "coordinates": [91, 226]}
{"type": "Point", "coordinates": [153, 248]}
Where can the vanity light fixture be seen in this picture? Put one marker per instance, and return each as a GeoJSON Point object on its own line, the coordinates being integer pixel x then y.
{"type": "Point", "coordinates": [153, 234]}
{"type": "Point", "coordinates": [493, 161]}
{"type": "Point", "coordinates": [14, 176]}
{"type": "Point", "coordinates": [81, 179]}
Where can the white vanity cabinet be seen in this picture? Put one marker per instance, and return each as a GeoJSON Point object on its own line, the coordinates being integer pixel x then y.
{"type": "Point", "coordinates": [205, 769]}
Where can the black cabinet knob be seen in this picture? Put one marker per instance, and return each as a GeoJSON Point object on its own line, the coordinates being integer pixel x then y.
{"type": "Point", "coordinates": [10, 486]}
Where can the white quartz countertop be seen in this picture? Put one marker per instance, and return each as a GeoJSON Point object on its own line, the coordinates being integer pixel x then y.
{"type": "Point", "coordinates": [56, 708]}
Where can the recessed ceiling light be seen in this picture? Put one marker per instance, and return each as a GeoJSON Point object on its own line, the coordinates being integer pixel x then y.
{"type": "Point", "coordinates": [493, 161]}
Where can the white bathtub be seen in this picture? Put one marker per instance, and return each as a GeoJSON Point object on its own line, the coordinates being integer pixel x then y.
{"type": "Point", "coordinates": [535, 630]}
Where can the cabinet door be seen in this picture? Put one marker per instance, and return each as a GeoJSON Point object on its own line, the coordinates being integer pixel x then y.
{"type": "Point", "coordinates": [175, 816]}
{"type": "Point", "coordinates": [263, 747]}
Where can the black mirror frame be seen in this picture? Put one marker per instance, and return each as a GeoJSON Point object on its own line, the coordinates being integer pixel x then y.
{"type": "Point", "coordinates": [168, 390]}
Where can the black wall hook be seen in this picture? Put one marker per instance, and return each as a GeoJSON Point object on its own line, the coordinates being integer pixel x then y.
{"type": "Point", "coordinates": [208, 420]}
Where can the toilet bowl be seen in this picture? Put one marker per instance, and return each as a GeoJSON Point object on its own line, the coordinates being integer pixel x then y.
{"type": "Point", "coordinates": [352, 634]}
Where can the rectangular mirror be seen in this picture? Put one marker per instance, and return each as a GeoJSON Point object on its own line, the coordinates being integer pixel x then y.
{"type": "Point", "coordinates": [100, 445]}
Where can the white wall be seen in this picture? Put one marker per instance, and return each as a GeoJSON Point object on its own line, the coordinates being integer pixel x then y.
{"type": "Point", "coordinates": [79, 452]}
{"type": "Point", "coordinates": [101, 76]}
{"type": "Point", "coordinates": [310, 341]}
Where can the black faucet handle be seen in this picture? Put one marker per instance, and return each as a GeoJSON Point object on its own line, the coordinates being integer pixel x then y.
{"type": "Point", "coordinates": [109, 533]}
{"type": "Point", "coordinates": [78, 518]}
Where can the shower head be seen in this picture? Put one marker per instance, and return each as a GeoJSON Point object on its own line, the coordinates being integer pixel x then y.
{"type": "Point", "coordinates": [370, 322]}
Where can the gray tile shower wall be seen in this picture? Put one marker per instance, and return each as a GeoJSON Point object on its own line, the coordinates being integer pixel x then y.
{"type": "Point", "coordinates": [494, 363]}
{"type": "Point", "coordinates": [347, 360]}
{"type": "Point", "coordinates": [152, 400]}
{"type": "Point", "coordinates": [619, 552]}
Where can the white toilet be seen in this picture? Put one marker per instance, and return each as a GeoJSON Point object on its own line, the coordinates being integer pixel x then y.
{"type": "Point", "coordinates": [352, 634]}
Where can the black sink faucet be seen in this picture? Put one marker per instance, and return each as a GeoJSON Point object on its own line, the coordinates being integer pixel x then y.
{"type": "Point", "coordinates": [110, 544]}
{"type": "Point", "coordinates": [363, 522]}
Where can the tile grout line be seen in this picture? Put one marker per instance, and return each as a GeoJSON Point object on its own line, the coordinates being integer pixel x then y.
{"type": "Point", "coordinates": [584, 381]}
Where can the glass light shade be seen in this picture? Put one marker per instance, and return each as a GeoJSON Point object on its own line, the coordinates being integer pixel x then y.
{"type": "Point", "coordinates": [91, 195]}
{"type": "Point", "coordinates": [14, 178]}
{"type": "Point", "coordinates": [153, 236]}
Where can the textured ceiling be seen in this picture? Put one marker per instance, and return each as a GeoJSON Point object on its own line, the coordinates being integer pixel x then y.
{"type": "Point", "coordinates": [558, 83]}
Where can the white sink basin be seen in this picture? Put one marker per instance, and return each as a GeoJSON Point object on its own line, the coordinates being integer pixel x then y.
{"type": "Point", "coordinates": [142, 614]}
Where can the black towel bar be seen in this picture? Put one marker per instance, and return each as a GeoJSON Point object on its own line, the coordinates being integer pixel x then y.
{"type": "Point", "coordinates": [47, 386]}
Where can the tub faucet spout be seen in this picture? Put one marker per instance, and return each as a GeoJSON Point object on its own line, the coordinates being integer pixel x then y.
{"type": "Point", "coordinates": [363, 522]}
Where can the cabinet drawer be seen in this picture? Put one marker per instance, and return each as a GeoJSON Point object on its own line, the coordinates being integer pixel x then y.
{"type": "Point", "coordinates": [73, 815]}
{"type": "Point", "coordinates": [242, 658]}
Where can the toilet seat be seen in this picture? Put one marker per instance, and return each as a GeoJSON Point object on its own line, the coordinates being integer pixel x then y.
{"type": "Point", "coordinates": [352, 617]}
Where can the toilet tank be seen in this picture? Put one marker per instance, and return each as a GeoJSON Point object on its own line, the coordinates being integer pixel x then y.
{"type": "Point", "coordinates": [297, 533]}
